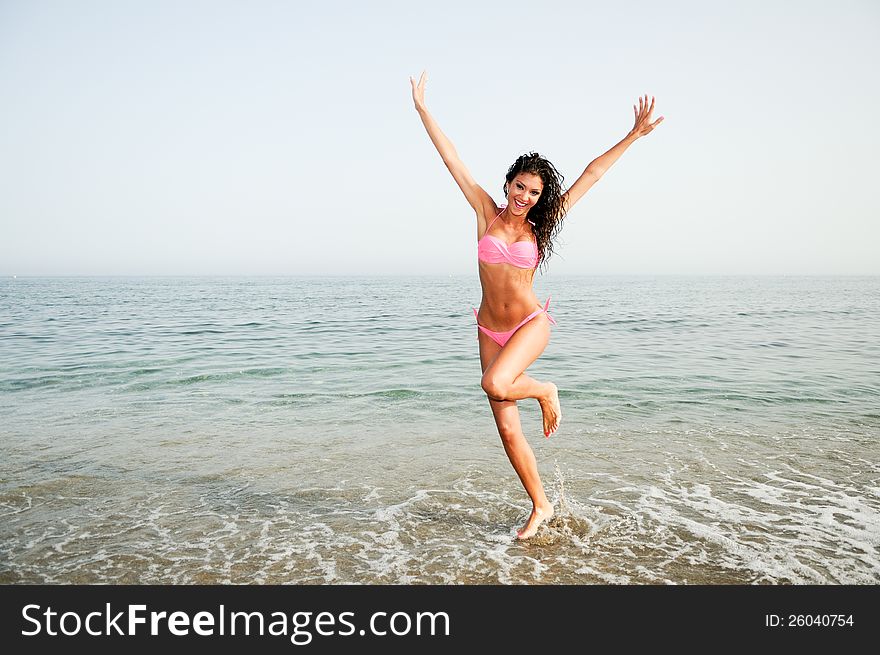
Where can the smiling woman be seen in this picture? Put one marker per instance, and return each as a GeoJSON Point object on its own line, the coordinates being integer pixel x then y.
{"type": "Point", "coordinates": [513, 327]}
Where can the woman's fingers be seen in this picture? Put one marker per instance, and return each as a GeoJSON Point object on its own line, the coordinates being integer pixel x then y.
{"type": "Point", "coordinates": [421, 83]}
{"type": "Point", "coordinates": [642, 113]}
{"type": "Point", "coordinates": [645, 107]}
{"type": "Point", "coordinates": [418, 88]}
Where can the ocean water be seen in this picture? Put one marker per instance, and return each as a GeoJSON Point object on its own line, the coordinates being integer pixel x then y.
{"type": "Point", "coordinates": [332, 430]}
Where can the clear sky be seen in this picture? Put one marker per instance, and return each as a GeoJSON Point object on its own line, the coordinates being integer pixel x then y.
{"type": "Point", "coordinates": [260, 137]}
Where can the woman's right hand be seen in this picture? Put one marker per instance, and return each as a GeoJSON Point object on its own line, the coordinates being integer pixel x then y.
{"type": "Point", "coordinates": [418, 90]}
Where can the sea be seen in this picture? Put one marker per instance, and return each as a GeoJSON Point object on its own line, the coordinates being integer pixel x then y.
{"type": "Point", "coordinates": [332, 430]}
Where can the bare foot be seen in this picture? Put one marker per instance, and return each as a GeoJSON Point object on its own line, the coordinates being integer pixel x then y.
{"type": "Point", "coordinates": [537, 517]}
{"type": "Point", "coordinates": [551, 410]}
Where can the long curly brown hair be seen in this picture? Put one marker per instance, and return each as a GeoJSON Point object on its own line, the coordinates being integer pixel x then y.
{"type": "Point", "coordinates": [546, 215]}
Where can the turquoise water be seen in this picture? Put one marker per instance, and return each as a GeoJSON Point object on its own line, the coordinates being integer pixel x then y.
{"type": "Point", "coordinates": [333, 430]}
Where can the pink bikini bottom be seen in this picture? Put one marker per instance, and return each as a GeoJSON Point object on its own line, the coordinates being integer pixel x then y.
{"type": "Point", "coordinates": [502, 338]}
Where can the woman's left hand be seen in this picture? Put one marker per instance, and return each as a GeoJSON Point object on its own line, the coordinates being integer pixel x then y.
{"type": "Point", "coordinates": [643, 111]}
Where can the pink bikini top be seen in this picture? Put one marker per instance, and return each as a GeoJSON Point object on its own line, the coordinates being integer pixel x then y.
{"type": "Point", "coordinates": [492, 250]}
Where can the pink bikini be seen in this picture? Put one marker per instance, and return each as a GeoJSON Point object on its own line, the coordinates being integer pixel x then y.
{"type": "Point", "coordinates": [522, 254]}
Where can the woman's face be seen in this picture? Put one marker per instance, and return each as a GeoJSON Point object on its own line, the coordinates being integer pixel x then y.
{"type": "Point", "coordinates": [523, 192]}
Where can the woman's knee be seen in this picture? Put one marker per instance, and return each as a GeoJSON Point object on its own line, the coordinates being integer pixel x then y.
{"type": "Point", "coordinates": [509, 433]}
{"type": "Point", "coordinates": [494, 387]}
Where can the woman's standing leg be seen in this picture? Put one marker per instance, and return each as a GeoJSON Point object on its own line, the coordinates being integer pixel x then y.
{"type": "Point", "coordinates": [516, 446]}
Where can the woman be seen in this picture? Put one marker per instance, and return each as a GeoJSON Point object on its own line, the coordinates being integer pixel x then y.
{"type": "Point", "coordinates": [512, 240]}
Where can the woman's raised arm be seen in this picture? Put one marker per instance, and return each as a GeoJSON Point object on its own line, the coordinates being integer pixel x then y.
{"type": "Point", "coordinates": [596, 168]}
{"type": "Point", "coordinates": [477, 197]}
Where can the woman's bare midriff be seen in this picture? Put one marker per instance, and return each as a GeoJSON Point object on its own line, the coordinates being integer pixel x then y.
{"type": "Point", "coordinates": [507, 295]}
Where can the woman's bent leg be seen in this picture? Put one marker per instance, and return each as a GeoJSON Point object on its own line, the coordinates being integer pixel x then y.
{"type": "Point", "coordinates": [504, 377]}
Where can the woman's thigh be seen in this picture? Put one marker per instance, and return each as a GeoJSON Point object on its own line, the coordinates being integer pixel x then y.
{"type": "Point", "coordinates": [524, 347]}
{"type": "Point", "coordinates": [489, 349]}
{"type": "Point", "coordinates": [505, 412]}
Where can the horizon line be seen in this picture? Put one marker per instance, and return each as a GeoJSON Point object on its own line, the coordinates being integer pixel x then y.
{"type": "Point", "coordinates": [390, 275]}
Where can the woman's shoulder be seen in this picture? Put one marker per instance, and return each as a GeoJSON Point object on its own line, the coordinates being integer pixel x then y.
{"type": "Point", "coordinates": [485, 215]}
{"type": "Point", "coordinates": [488, 210]}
